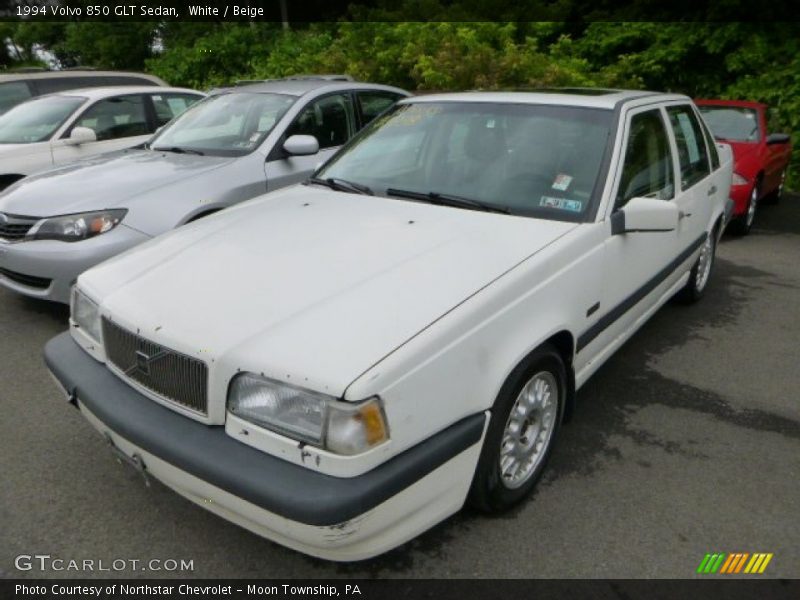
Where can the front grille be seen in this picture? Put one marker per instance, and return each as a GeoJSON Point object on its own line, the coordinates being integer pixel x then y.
{"type": "Point", "coordinates": [39, 283]}
{"type": "Point", "coordinates": [171, 375]}
{"type": "Point", "coordinates": [14, 228]}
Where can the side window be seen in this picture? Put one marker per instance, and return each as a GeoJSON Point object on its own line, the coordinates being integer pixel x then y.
{"type": "Point", "coordinates": [329, 119]}
{"type": "Point", "coordinates": [169, 106]}
{"type": "Point", "coordinates": [371, 104]}
{"type": "Point", "coordinates": [50, 85]}
{"type": "Point", "coordinates": [116, 118]}
{"type": "Point", "coordinates": [124, 80]}
{"type": "Point", "coordinates": [712, 146]}
{"type": "Point", "coordinates": [692, 155]}
{"type": "Point", "coordinates": [12, 93]}
{"type": "Point", "coordinates": [648, 168]}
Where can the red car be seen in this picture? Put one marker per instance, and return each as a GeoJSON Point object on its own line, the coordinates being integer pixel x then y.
{"type": "Point", "coordinates": [761, 159]}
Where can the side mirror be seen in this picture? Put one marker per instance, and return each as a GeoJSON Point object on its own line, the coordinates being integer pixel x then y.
{"type": "Point", "coordinates": [777, 138]}
{"type": "Point", "coordinates": [301, 145]}
{"type": "Point", "coordinates": [645, 214]}
{"type": "Point", "coordinates": [81, 135]}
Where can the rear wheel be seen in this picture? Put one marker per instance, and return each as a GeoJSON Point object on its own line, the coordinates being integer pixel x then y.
{"type": "Point", "coordinates": [742, 224]}
{"type": "Point", "coordinates": [525, 421]}
{"type": "Point", "coordinates": [776, 196]}
{"type": "Point", "coordinates": [701, 271]}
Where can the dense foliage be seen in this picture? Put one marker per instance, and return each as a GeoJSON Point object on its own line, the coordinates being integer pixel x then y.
{"type": "Point", "coordinates": [758, 61]}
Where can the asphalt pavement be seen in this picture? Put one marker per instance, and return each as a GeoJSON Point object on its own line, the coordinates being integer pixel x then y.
{"type": "Point", "coordinates": [686, 442]}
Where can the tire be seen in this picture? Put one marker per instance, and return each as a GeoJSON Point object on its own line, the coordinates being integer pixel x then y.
{"type": "Point", "coordinates": [701, 271]}
{"type": "Point", "coordinates": [522, 442]}
{"type": "Point", "coordinates": [742, 224]}
{"type": "Point", "coordinates": [775, 197]}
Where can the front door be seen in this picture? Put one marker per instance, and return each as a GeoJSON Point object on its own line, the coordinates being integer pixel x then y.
{"type": "Point", "coordinates": [634, 262]}
{"type": "Point", "coordinates": [331, 120]}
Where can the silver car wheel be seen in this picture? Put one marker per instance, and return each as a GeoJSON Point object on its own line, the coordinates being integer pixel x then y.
{"type": "Point", "coordinates": [704, 263]}
{"type": "Point", "coordinates": [529, 429]}
{"type": "Point", "coordinates": [751, 207]}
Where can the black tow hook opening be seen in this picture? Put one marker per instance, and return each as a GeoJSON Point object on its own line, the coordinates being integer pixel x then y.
{"type": "Point", "coordinates": [134, 461]}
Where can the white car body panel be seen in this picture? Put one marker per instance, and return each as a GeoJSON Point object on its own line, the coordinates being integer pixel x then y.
{"type": "Point", "coordinates": [428, 307]}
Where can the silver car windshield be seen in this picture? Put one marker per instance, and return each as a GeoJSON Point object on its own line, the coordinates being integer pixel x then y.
{"type": "Point", "coordinates": [525, 159]}
{"type": "Point", "coordinates": [37, 120]}
{"type": "Point", "coordinates": [230, 124]}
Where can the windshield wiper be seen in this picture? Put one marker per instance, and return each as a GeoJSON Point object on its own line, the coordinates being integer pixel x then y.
{"type": "Point", "coordinates": [178, 150]}
{"type": "Point", "coordinates": [449, 200]}
{"type": "Point", "coordinates": [342, 185]}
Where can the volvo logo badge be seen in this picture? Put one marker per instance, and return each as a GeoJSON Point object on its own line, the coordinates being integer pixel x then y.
{"type": "Point", "coordinates": [143, 362]}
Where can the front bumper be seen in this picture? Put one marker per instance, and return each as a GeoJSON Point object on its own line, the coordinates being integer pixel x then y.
{"type": "Point", "coordinates": [330, 517]}
{"type": "Point", "coordinates": [47, 269]}
{"type": "Point", "coordinates": [740, 194]}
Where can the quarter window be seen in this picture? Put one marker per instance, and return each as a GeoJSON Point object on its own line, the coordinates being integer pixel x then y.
{"type": "Point", "coordinates": [116, 118]}
{"type": "Point", "coordinates": [648, 169]}
{"type": "Point", "coordinates": [692, 155]}
{"type": "Point", "coordinates": [329, 119]}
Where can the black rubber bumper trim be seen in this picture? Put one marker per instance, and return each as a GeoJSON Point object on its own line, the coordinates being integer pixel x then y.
{"type": "Point", "coordinates": [207, 452]}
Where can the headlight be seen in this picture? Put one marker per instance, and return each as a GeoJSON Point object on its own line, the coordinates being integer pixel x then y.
{"type": "Point", "coordinates": [321, 420]}
{"type": "Point", "coordinates": [739, 180]}
{"type": "Point", "coordinates": [77, 227]}
{"type": "Point", "coordinates": [85, 314]}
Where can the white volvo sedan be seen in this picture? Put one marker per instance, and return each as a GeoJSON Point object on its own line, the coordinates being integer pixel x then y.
{"type": "Point", "coordinates": [340, 365]}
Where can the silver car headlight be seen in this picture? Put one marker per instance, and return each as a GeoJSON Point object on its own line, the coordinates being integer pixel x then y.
{"type": "Point", "coordinates": [77, 227]}
{"type": "Point", "coordinates": [85, 314]}
{"type": "Point", "coordinates": [321, 420]}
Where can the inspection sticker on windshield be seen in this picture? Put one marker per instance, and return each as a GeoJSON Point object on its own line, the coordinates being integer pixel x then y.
{"type": "Point", "coordinates": [561, 203]}
{"type": "Point", "coordinates": [562, 182]}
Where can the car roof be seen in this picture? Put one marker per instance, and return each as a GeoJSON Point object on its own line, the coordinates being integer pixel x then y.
{"type": "Point", "coordinates": [740, 103]}
{"type": "Point", "coordinates": [301, 86]}
{"type": "Point", "coordinates": [579, 97]}
{"type": "Point", "coordinates": [98, 93]}
{"type": "Point", "coordinates": [23, 75]}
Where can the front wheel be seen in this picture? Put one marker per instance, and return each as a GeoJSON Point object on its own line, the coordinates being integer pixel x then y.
{"type": "Point", "coordinates": [701, 271]}
{"type": "Point", "coordinates": [525, 421]}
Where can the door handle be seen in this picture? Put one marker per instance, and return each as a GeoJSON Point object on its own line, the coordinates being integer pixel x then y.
{"type": "Point", "coordinates": [712, 190]}
{"type": "Point", "coordinates": [683, 215]}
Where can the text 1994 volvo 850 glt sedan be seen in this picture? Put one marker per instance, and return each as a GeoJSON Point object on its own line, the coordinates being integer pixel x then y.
{"type": "Point", "coordinates": [342, 364]}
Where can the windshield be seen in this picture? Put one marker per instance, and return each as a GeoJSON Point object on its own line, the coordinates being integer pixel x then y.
{"type": "Point", "coordinates": [37, 120]}
{"type": "Point", "coordinates": [525, 159]}
{"type": "Point", "coordinates": [731, 122]}
{"type": "Point", "coordinates": [230, 124]}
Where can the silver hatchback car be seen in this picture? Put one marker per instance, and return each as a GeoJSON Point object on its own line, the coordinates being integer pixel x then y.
{"type": "Point", "coordinates": [236, 144]}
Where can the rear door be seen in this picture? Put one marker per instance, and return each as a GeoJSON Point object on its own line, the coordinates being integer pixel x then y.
{"type": "Point", "coordinates": [700, 184]}
{"type": "Point", "coordinates": [118, 122]}
{"type": "Point", "coordinates": [331, 119]}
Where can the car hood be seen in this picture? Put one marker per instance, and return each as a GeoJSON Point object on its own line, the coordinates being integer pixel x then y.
{"type": "Point", "coordinates": [310, 283]}
{"type": "Point", "coordinates": [106, 181]}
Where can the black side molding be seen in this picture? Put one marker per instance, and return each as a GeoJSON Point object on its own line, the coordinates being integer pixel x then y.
{"type": "Point", "coordinates": [207, 452]}
{"type": "Point", "coordinates": [620, 309]}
